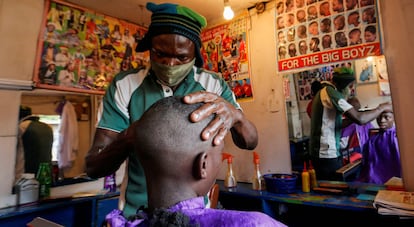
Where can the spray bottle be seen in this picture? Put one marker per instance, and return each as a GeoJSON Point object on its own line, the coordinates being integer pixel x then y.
{"type": "Point", "coordinates": [312, 174]}
{"type": "Point", "coordinates": [230, 180]}
{"type": "Point", "coordinates": [305, 179]}
{"type": "Point", "coordinates": [258, 182]}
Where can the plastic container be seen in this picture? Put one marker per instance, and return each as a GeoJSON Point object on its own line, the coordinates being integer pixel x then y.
{"type": "Point", "coordinates": [312, 174]}
{"type": "Point", "coordinates": [280, 183]}
{"type": "Point", "coordinates": [26, 189]}
{"type": "Point", "coordinates": [305, 179]}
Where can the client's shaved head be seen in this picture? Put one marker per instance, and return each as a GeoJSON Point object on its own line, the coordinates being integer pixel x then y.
{"type": "Point", "coordinates": [166, 139]}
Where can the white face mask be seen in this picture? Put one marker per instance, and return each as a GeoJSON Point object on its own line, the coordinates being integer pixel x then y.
{"type": "Point", "coordinates": [171, 75]}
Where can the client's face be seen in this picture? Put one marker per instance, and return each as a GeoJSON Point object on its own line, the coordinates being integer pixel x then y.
{"type": "Point", "coordinates": [385, 120]}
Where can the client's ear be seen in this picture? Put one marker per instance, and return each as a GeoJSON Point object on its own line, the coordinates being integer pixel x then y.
{"type": "Point", "coordinates": [200, 166]}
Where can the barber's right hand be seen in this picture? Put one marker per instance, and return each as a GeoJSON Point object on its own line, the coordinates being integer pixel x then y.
{"type": "Point", "coordinates": [386, 106]}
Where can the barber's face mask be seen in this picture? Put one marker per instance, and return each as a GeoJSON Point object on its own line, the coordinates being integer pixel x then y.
{"type": "Point", "coordinates": [171, 75]}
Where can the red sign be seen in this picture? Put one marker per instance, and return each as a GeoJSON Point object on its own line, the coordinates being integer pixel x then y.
{"type": "Point", "coordinates": [326, 57]}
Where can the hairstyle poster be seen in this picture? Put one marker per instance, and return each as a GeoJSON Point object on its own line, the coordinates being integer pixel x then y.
{"type": "Point", "coordinates": [224, 50]}
{"type": "Point", "coordinates": [304, 79]}
{"type": "Point", "coordinates": [383, 82]}
{"type": "Point", "coordinates": [311, 32]}
{"type": "Point", "coordinates": [82, 50]}
{"type": "Point", "coordinates": [366, 70]}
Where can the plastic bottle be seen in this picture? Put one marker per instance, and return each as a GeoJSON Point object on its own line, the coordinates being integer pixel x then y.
{"type": "Point", "coordinates": [44, 177]}
{"type": "Point", "coordinates": [305, 179]}
{"type": "Point", "coordinates": [230, 180]}
{"type": "Point", "coordinates": [110, 182]}
{"type": "Point", "coordinates": [312, 175]}
{"type": "Point", "coordinates": [258, 182]}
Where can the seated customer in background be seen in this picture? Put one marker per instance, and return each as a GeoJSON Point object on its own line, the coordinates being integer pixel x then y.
{"type": "Point", "coordinates": [381, 155]}
{"type": "Point", "coordinates": [180, 169]}
{"type": "Point", "coordinates": [354, 136]}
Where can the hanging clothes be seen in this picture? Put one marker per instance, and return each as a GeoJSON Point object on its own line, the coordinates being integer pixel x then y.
{"type": "Point", "coordinates": [68, 143]}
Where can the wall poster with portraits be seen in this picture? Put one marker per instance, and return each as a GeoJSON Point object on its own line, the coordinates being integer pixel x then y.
{"type": "Point", "coordinates": [82, 50]}
{"type": "Point", "coordinates": [304, 79]}
{"type": "Point", "coordinates": [311, 32]}
{"type": "Point", "coordinates": [225, 50]}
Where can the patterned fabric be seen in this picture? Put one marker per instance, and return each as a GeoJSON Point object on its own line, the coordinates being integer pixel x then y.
{"type": "Point", "coordinates": [130, 94]}
{"type": "Point", "coordinates": [170, 18]}
{"type": "Point", "coordinates": [201, 216]}
{"type": "Point", "coordinates": [381, 158]}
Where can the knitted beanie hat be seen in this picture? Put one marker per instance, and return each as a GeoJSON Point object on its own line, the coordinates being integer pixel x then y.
{"type": "Point", "coordinates": [342, 77]}
{"type": "Point", "coordinates": [170, 18]}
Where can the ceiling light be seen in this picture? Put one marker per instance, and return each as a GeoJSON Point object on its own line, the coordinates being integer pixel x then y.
{"type": "Point", "coordinates": [228, 13]}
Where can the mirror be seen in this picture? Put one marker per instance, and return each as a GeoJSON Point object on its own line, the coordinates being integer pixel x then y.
{"type": "Point", "coordinates": [371, 88]}
{"type": "Point", "coordinates": [72, 118]}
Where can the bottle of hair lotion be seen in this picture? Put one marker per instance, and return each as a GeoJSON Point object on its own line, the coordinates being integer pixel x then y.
{"type": "Point", "coordinates": [230, 180]}
{"type": "Point", "coordinates": [257, 179]}
{"type": "Point", "coordinates": [305, 179]}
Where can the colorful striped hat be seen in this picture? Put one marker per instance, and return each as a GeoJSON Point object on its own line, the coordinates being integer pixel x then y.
{"type": "Point", "coordinates": [170, 18]}
{"type": "Point", "coordinates": [343, 76]}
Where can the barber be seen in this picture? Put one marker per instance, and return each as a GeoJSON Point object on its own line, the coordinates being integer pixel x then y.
{"type": "Point", "coordinates": [173, 39]}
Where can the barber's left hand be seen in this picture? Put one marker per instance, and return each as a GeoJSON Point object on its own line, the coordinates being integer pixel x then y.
{"type": "Point", "coordinates": [214, 104]}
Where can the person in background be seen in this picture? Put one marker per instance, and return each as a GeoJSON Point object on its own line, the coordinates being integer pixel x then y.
{"type": "Point", "coordinates": [328, 106]}
{"type": "Point", "coordinates": [35, 140]}
{"type": "Point", "coordinates": [324, 9]}
{"type": "Point", "coordinates": [327, 42]}
{"type": "Point", "coordinates": [381, 154]}
{"type": "Point", "coordinates": [370, 34]}
{"type": "Point", "coordinates": [355, 37]}
{"type": "Point", "coordinates": [338, 6]}
{"type": "Point", "coordinates": [303, 47]}
{"type": "Point", "coordinates": [173, 39]}
{"type": "Point", "coordinates": [354, 136]}
{"type": "Point", "coordinates": [340, 39]}
{"type": "Point", "coordinates": [174, 156]}
{"type": "Point", "coordinates": [315, 87]}
{"type": "Point", "coordinates": [353, 19]}
{"type": "Point", "coordinates": [351, 4]}
{"type": "Point", "coordinates": [339, 22]}
{"type": "Point", "coordinates": [368, 16]}
{"type": "Point", "coordinates": [292, 50]}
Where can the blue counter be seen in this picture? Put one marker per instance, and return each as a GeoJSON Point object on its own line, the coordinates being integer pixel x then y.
{"type": "Point", "coordinates": [83, 211]}
{"type": "Point", "coordinates": [311, 209]}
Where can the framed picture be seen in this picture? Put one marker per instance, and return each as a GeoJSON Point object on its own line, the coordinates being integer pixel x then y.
{"type": "Point", "coordinates": [366, 70]}
{"type": "Point", "coordinates": [82, 50]}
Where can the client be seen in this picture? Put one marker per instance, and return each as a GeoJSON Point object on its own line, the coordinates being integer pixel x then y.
{"type": "Point", "coordinates": [381, 154]}
{"type": "Point", "coordinates": [180, 168]}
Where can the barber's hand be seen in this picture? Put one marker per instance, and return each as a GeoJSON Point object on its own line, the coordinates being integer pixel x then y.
{"type": "Point", "coordinates": [214, 104]}
{"type": "Point", "coordinates": [387, 106]}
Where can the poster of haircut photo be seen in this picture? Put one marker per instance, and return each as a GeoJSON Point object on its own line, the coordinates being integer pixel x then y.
{"type": "Point", "coordinates": [311, 32]}
{"type": "Point", "coordinates": [383, 81]}
{"type": "Point", "coordinates": [225, 51]}
{"type": "Point", "coordinates": [366, 70]}
{"type": "Point", "coordinates": [82, 50]}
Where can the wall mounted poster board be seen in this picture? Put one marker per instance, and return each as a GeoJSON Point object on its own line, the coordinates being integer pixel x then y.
{"type": "Point", "coordinates": [311, 33]}
{"type": "Point", "coordinates": [82, 50]}
{"type": "Point", "coordinates": [225, 51]}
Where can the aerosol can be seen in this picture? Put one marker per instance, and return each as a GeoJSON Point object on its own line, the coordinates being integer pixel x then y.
{"type": "Point", "coordinates": [230, 180]}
